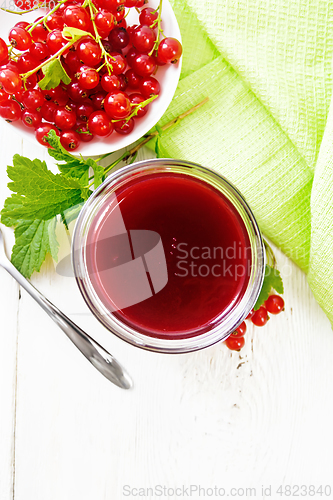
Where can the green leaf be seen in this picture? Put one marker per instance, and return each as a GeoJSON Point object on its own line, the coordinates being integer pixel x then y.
{"type": "Point", "coordinates": [33, 241]}
{"type": "Point", "coordinates": [54, 74]}
{"type": "Point", "coordinates": [40, 194]}
{"type": "Point", "coordinates": [273, 280]}
{"type": "Point", "coordinates": [74, 34]}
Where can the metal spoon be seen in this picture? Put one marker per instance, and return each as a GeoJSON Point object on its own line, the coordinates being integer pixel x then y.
{"type": "Point", "coordinates": [95, 353]}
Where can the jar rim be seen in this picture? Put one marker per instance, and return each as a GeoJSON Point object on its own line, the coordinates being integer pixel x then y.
{"type": "Point", "coordinates": [131, 335]}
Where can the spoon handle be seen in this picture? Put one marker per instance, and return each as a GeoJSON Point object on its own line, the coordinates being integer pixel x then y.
{"type": "Point", "coordinates": [101, 359]}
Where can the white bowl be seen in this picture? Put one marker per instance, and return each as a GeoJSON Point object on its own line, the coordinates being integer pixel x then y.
{"type": "Point", "coordinates": [167, 75]}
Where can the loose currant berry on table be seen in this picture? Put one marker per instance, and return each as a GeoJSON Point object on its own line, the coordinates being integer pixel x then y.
{"type": "Point", "coordinates": [124, 127]}
{"type": "Point", "coordinates": [143, 39]}
{"type": "Point", "coordinates": [138, 99]}
{"type": "Point", "coordinates": [240, 330]}
{"type": "Point", "coordinates": [274, 304]}
{"type": "Point", "coordinates": [70, 140]}
{"type": "Point", "coordinates": [235, 343]}
{"type": "Point", "coordinates": [10, 81]}
{"type": "Point", "coordinates": [100, 124]}
{"type": "Point", "coordinates": [31, 118]}
{"type": "Point", "coordinates": [143, 65]}
{"type": "Point", "coordinates": [149, 86]}
{"type": "Point", "coordinates": [251, 313]}
{"type": "Point", "coordinates": [42, 131]}
{"type": "Point", "coordinates": [260, 317]}
{"type": "Point", "coordinates": [119, 38]}
{"type": "Point", "coordinates": [169, 50]}
{"type": "Point", "coordinates": [10, 111]}
{"type": "Point", "coordinates": [76, 17]}
{"type": "Point", "coordinates": [117, 105]}
{"type": "Point", "coordinates": [64, 118]}
{"type": "Point", "coordinates": [3, 51]}
{"type": "Point", "coordinates": [20, 39]}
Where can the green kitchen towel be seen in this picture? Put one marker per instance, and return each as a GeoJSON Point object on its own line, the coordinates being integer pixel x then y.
{"type": "Point", "coordinates": [266, 67]}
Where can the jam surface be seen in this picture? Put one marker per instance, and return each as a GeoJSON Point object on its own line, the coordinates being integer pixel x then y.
{"type": "Point", "coordinates": [169, 255]}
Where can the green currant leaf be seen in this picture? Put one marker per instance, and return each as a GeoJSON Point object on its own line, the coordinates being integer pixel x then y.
{"type": "Point", "coordinates": [54, 74]}
{"type": "Point", "coordinates": [74, 34]}
{"type": "Point", "coordinates": [273, 280]}
{"type": "Point", "coordinates": [33, 241]}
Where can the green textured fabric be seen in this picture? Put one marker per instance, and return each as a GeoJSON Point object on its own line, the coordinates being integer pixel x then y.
{"type": "Point", "coordinates": [266, 67]}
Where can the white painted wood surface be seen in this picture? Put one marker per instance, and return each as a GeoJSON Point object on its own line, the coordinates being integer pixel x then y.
{"type": "Point", "coordinates": [211, 418]}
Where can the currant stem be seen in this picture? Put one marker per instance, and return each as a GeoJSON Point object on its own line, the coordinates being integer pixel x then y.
{"type": "Point", "coordinates": [20, 13]}
{"type": "Point", "coordinates": [133, 152]}
{"type": "Point", "coordinates": [137, 108]}
{"type": "Point", "coordinates": [98, 39]}
{"type": "Point", "coordinates": [159, 29]}
{"type": "Point", "coordinates": [50, 59]}
{"type": "Point", "coordinates": [56, 7]}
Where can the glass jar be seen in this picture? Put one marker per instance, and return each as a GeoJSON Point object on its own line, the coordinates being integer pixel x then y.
{"type": "Point", "coordinates": [136, 229]}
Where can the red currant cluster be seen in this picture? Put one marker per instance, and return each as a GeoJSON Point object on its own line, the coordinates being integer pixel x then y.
{"type": "Point", "coordinates": [110, 69]}
{"type": "Point", "coordinates": [274, 305]}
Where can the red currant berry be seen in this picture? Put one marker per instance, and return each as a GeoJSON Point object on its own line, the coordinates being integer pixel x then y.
{"type": "Point", "coordinates": [143, 39]}
{"type": "Point", "coordinates": [20, 39]}
{"type": "Point", "coordinates": [82, 129]}
{"type": "Point", "coordinates": [77, 17]}
{"type": "Point", "coordinates": [3, 51]}
{"type": "Point", "coordinates": [55, 22]}
{"type": "Point", "coordinates": [104, 20]}
{"type": "Point", "coordinates": [130, 3]}
{"type": "Point", "coordinates": [55, 41]}
{"type": "Point", "coordinates": [42, 131]}
{"type": "Point", "coordinates": [148, 16]}
{"type": "Point", "coordinates": [24, 4]}
{"type": "Point", "coordinates": [76, 93]}
{"type": "Point", "coordinates": [251, 313]}
{"type": "Point", "coordinates": [110, 83]}
{"type": "Point", "coordinates": [84, 111]}
{"type": "Point", "coordinates": [140, 3]}
{"type": "Point", "coordinates": [22, 24]}
{"type": "Point", "coordinates": [39, 51]}
{"type": "Point", "coordinates": [88, 77]}
{"type": "Point", "coordinates": [149, 87]}
{"type": "Point", "coordinates": [4, 97]}
{"type": "Point", "coordinates": [235, 343]}
{"type": "Point", "coordinates": [100, 124]}
{"type": "Point", "coordinates": [131, 55]}
{"type": "Point", "coordinates": [48, 109]}
{"type": "Point", "coordinates": [10, 81]}
{"type": "Point", "coordinates": [89, 52]}
{"type": "Point", "coordinates": [143, 65]}
{"type": "Point", "coordinates": [117, 105]}
{"type": "Point", "coordinates": [118, 62]}
{"type": "Point", "coordinates": [124, 127]}
{"type": "Point", "coordinates": [33, 99]}
{"type": "Point", "coordinates": [240, 330]}
{"type": "Point", "coordinates": [10, 111]}
{"type": "Point", "coordinates": [98, 100]}
{"type": "Point", "coordinates": [260, 317]}
{"type": "Point", "coordinates": [26, 63]}
{"type": "Point", "coordinates": [170, 50]}
{"type": "Point", "coordinates": [31, 118]}
{"type": "Point", "coordinates": [39, 33]}
{"type": "Point", "coordinates": [274, 304]}
{"type": "Point", "coordinates": [119, 38]}
{"type": "Point", "coordinates": [70, 140]}
{"type": "Point", "coordinates": [133, 79]}
{"type": "Point", "coordinates": [138, 99]}
{"type": "Point", "coordinates": [64, 118]}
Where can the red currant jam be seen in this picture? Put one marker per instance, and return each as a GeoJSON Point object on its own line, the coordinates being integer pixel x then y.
{"type": "Point", "coordinates": [169, 255]}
